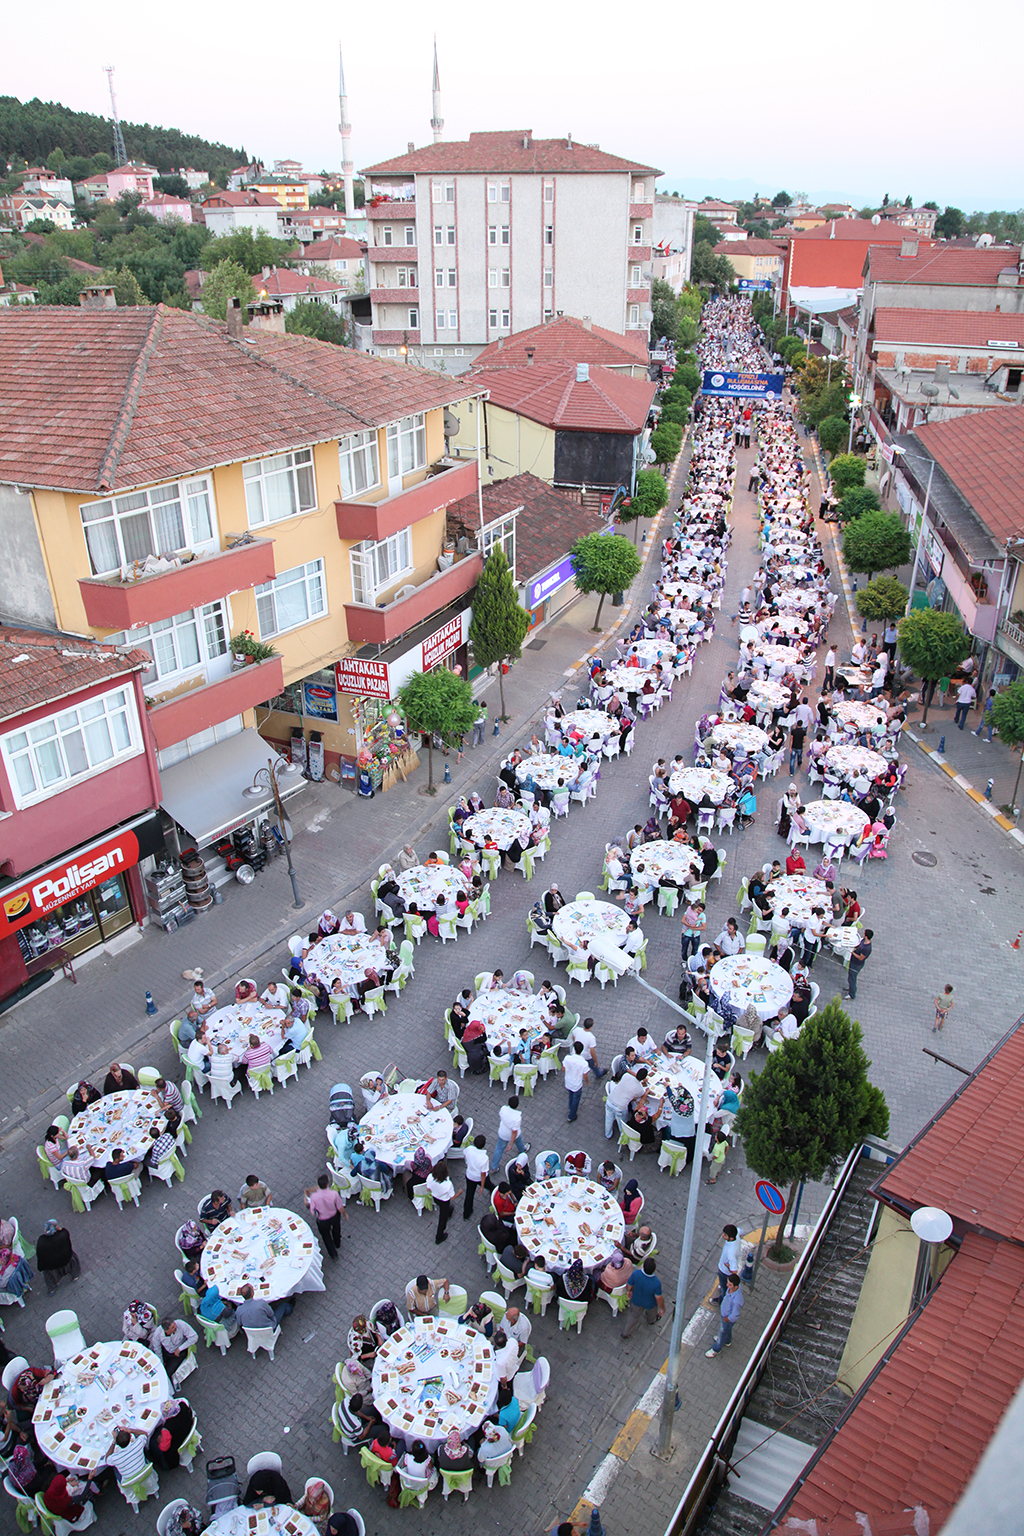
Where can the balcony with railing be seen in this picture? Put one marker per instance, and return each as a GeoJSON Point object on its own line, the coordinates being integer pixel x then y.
{"type": "Point", "coordinates": [395, 295]}
{"type": "Point", "coordinates": [111, 603]}
{"type": "Point", "coordinates": [378, 625]}
{"type": "Point", "coordinates": [396, 338]}
{"type": "Point", "coordinates": [394, 210]}
{"type": "Point", "coordinates": [1010, 640]}
{"type": "Point", "coordinates": [197, 708]}
{"type": "Point", "coordinates": [978, 614]}
{"type": "Point", "coordinates": [446, 482]}
{"type": "Point", "coordinates": [641, 210]}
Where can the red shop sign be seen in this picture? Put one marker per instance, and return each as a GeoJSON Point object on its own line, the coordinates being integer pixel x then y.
{"type": "Point", "coordinates": [442, 642]}
{"type": "Point", "coordinates": [369, 679]}
{"type": "Point", "coordinates": [63, 882]}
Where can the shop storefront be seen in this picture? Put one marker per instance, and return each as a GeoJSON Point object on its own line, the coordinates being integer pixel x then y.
{"type": "Point", "coordinates": [74, 904]}
{"type": "Point", "coordinates": [546, 595]}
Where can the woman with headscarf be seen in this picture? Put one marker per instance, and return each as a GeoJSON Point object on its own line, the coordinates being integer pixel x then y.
{"type": "Point", "coordinates": [84, 1095]}
{"type": "Point", "coordinates": [138, 1322]}
{"type": "Point", "coordinates": [631, 1202]}
{"type": "Point", "coordinates": [495, 1443]}
{"type": "Point", "coordinates": [551, 1166]}
{"type": "Point", "coordinates": [453, 1456]}
{"type": "Point", "coordinates": [315, 1504]}
{"type": "Point", "coordinates": [328, 924]}
{"type": "Point", "coordinates": [191, 1239]}
{"type": "Point", "coordinates": [267, 1486]}
{"type": "Point", "coordinates": [185, 1522]}
{"type": "Point", "coordinates": [521, 983]}
{"type": "Point", "coordinates": [55, 1256]}
{"type": "Point", "coordinates": [387, 1321]}
{"type": "Point", "coordinates": [616, 1272]}
{"type": "Point", "coordinates": [24, 1394]}
{"type": "Point", "coordinates": [176, 1424]}
{"type": "Point", "coordinates": [419, 1169]}
{"type": "Point", "coordinates": [475, 1045]}
{"type": "Point", "coordinates": [214, 1309]}
{"type": "Point", "coordinates": [519, 1175]}
{"type": "Point", "coordinates": [575, 1284]}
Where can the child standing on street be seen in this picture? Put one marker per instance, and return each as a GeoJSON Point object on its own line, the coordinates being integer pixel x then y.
{"type": "Point", "coordinates": [943, 1006]}
{"type": "Point", "coordinates": [719, 1147]}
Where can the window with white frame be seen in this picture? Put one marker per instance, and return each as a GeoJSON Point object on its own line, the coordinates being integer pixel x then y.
{"type": "Point", "coordinates": [634, 277]}
{"type": "Point", "coordinates": [410, 234]}
{"type": "Point", "coordinates": [193, 745]}
{"type": "Point", "coordinates": [634, 314]}
{"type": "Point", "coordinates": [293, 597]}
{"type": "Point", "coordinates": [506, 277]}
{"type": "Point", "coordinates": [439, 351]}
{"type": "Point", "coordinates": [377, 566]}
{"type": "Point", "coordinates": [638, 192]}
{"type": "Point", "coordinates": [506, 319]}
{"type": "Point", "coordinates": [407, 445]}
{"type": "Point", "coordinates": [638, 234]}
{"type": "Point", "coordinates": [505, 232]}
{"type": "Point", "coordinates": [406, 277]}
{"type": "Point", "coordinates": [439, 277]}
{"type": "Point", "coordinates": [460, 351]}
{"type": "Point", "coordinates": [279, 487]}
{"type": "Point", "coordinates": [492, 234]}
{"type": "Point", "coordinates": [436, 192]}
{"type": "Point", "coordinates": [549, 314]}
{"type": "Point", "coordinates": [451, 234]}
{"type": "Point", "coordinates": [549, 191]}
{"type": "Point", "coordinates": [501, 535]}
{"type": "Point", "coordinates": [392, 352]}
{"type": "Point", "coordinates": [549, 278]}
{"type": "Point", "coordinates": [359, 463]}
{"type": "Point", "coordinates": [452, 277]}
{"type": "Point", "coordinates": [549, 234]}
{"type": "Point", "coordinates": [56, 752]}
{"type": "Point", "coordinates": [506, 192]}
{"type": "Point", "coordinates": [453, 319]}
{"type": "Point", "coordinates": [449, 192]}
{"type": "Point", "coordinates": [154, 522]}
{"type": "Point", "coordinates": [439, 234]}
{"type": "Point", "coordinates": [492, 319]}
{"type": "Point", "coordinates": [492, 191]}
{"type": "Point", "coordinates": [492, 278]}
{"type": "Point", "coordinates": [389, 235]}
{"type": "Point", "coordinates": [181, 644]}
{"type": "Point", "coordinates": [414, 319]}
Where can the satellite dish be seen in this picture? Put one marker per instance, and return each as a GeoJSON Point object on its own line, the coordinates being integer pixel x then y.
{"type": "Point", "coordinates": [876, 218]}
{"type": "Point", "coordinates": [955, 394]}
{"type": "Point", "coordinates": [930, 389]}
{"type": "Point", "coordinates": [931, 1224]}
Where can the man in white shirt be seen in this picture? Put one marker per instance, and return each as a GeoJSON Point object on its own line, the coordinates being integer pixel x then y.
{"type": "Point", "coordinates": [729, 1259]}
{"type": "Point", "coordinates": [506, 1355]}
{"type": "Point", "coordinates": [858, 653]}
{"type": "Point", "coordinates": [830, 669]}
{"type": "Point", "coordinates": [619, 1097]}
{"type": "Point", "coordinates": [203, 1001]}
{"type": "Point", "coordinates": [421, 1296]}
{"type": "Point", "coordinates": [127, 1454]}
{"type": "Point", "coordinates": [643, 1044]}
{"type": "Point", "coordinates": [199, 1049]}
{"type": "Point", "coordinates": [965, 697]}
{"type": "Point", "coordinates": [518, 1327]}
{"type": "Point", "coordinates": [584, 1033]}
{"type": "Point", "coordinates": [574, 1068]}
{"type": "Point", "coordinates": [633, 942]}
{"type": "Point", "coordinates": [730, 941]}
{"type": "Point", "coordinates": [175, 1339]}
{"type": "Point", "coordinates": [276, 996]}
{"type": "Point", "coordinates": [221, 1066]}
{"type": "Point", "coordinates": [477, 1168]}
{"type": "Point", "coordinates": [878, 680]}
{"type": "Point", "coordinates": [353, 922]}
{"type": "Point", "coordinates": [443, 1190]}
{"type": "Point", "coordinates": [510, 1121]}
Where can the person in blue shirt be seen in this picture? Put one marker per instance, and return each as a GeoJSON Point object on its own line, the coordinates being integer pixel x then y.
{"type": "Point", "coordinates": [509, 1411]}
{"type": "Point", "coordinates": [732, 1306]}
{"type": "Point", "coordinates": [295, 1034]}
{"type": "Point", "coordinates": [644, 1292]}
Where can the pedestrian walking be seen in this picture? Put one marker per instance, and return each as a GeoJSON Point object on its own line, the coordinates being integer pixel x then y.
{"type": "Point", "coordinates": [943, 1007]}
{"type": "Point", "coordinates": [797, 737]}
{"type": "Point", "coordinates": [328, 1208]}
{"type": "Point", "coordinates": [719, 1147]}
{"type": "Point", "coordinates": [477, 1175]}
{"type": "Point", "coordinates": [644, 1293]}
{"type": "Point", "coordinates": [510, 1123]}
{"type": "Point", "coordinates": [858, 960]}
{"type": "Point", "coordinates": [828, 681]}
{"type": "Point", "coordinates": [479, 726]}
{"type": "Point", "coordinates": [445, 1194]}
{"type": "Point", "coordinates": [965, 697]}
{"type": "Point", "coordinates": [574, 1067]}
{"type": "Point", "coordinates": [694, 923]}
{"type": "Point", "coordinates": [732, 1306]}
{"type": "Point", "coordinates": [729, 1258]}
{"type": "Point", "coordinates": [986, 715]}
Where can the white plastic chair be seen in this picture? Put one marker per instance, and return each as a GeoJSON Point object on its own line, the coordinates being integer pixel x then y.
{"type": "Point", "coordinates": [65, 1335]}
{"type": "Point", "coordinates": [571, 1313]}
{"type": "Point", "coordinates": [263, 1461]}
{"type": "Point", "coordinates": [163, 1519]}
{"type": "Point", "coordinates": [262, 1338]}
{"type": "Point", "coordinates": [224, 1088]}
{"type": "Point", "coordinates": [126, 1189]}
{"type": "Point", "coordinates": [286, 1066]}
{"type": "Point", "coordinates": [532, 1386]}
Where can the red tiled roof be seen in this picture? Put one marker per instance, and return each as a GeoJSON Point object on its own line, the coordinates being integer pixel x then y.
{"type": "Point", "coordinates": [547, 527]}
{"type": "Point", "coordinates": [983, 454]}
{"type": "Point", "coordinates": [504, 152]}
{"type": "Point", "coordinates": [860, 229]}
{"type": "Point", "coordinates": [339, 249]}
{"type": "Point", "coordinates": [550, 393]}
{"type": "Point", "coordinates": [566, 340]}
{"type": "Point", "coordinates": [225, 199]}
{"type": "Point", "coordinates": [940, 264]}
{"type": "Point", "coordinates": [38, 669]}
{"type": "Point", "coordinates": [749, 248]}
{"type": "Point", "coordinates": [947, 327]}
{"type": "Point", "coordinates": [922, 1421]}
{"type": "Point", "coordinates": [95, 400]}
{"type": "Point", "coordinates": [283, 282]}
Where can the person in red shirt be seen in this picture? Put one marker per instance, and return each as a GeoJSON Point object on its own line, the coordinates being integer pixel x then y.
{"type": "Point", "coordinates": [382, 1446]}
{"type": "Point", "coordinates": [65, 1496]}
{"type": "Point", "coordinates": [795, 863]}
{"type": "Point", "coordinates": [504, 1201]}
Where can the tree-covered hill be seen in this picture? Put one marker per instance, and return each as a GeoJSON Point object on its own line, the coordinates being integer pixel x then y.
{"type": "Point", "coordinates": [32, 130]}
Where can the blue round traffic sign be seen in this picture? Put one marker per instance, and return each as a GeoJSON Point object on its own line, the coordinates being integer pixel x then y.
{"type": "Point", "coordinates": [771, 1198]}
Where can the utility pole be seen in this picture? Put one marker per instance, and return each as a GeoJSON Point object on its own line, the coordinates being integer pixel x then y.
{"type": "Point", "coordinates": [120, 153]}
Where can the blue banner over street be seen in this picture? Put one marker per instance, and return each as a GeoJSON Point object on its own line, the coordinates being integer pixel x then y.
{"type": "Point", "coordinates": [744, 386]}
{"type": "Point", "coordinates": [754, 284]}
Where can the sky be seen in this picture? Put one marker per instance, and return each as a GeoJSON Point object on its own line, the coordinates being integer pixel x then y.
{"type": "Point", "coordinates": [843, 103]}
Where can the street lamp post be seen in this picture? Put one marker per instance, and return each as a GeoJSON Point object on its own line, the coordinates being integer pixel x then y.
{"type": "Point", "coordinates": [266, 778]}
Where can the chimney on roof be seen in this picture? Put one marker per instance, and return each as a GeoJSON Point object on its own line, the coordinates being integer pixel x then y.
{"type": "Point", "coordinates": [529, 357]}
{"type": "Point", "coordinates": [501, 342]}
{"type": "Point", "coordinates": [582, 373]}
{"type": "Point", "coordinates": [99, 296]}
{"type": "Point", "coordinates": [235, 318]}
{"type": "Point", "coordinates": [568, 141]}
{"type": "Point", "coordinates": [266, 315]}
{"type": "Point", "coordinates": [908, 246]}
{"type": "Point", "coordinates": [410, 146]}
{"type": "Point", "coordinates": [587, 321]}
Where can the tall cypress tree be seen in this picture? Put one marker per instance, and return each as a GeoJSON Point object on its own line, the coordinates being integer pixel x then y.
{"type": "Point", "coordinates": [499, 622]}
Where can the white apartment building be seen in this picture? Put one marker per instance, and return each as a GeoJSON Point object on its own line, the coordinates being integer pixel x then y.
{"type": "Point", "coordinates": [470, 241]}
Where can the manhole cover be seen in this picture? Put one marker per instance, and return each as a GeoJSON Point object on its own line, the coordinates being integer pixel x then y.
{"type": "Point", "coordinates": [536, 645]}
{"type": "Point", "coordinates": [927, 859]}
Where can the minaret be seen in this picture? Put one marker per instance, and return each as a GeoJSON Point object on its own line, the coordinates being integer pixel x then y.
{"type": "Point", "coordinates": [437, 121]}
{"type": "Point", "coordinates": [345, 129]}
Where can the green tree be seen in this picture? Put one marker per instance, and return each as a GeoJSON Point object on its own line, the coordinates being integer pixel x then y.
{"type": "Point", "coordinates": [251, 251]}
{"type": "Point", "coordinates": [664, 310]}
{"type": "Point", "coordinates": [883, 599]}
{"type": "Point", "coordinates": [1008, 717]}
{"type": "Point", "coordinates": [709, 270]}
{"type": "Point", "coordinates": [856, 502]}
{"type": "Point", "coordinates": [876, 541]}
{"type": "Point", "coordinates": [227, 280]}
{"type": "Point", "coordinates": [832, 434]}
{"type": "Point", "coordinates": [950, 224]}
{"type": "Point", "coordinates": [781, 200]}
{"type": "Point", "coordinates": [846, 471]}
{"type": "Point", "coordinates": [933, 645]}
{"type": "Point", "coordinates": [604, 563]}
{"type": "Point", "coordinates": [127, 292]}
{"type": "Point", "coordinates": [676, 412]}
{"type": "Point", "coordinates": [438, 703]}
{"type": "Point", "coordinates": [172, 186]}
{"type": "Point", "coordinates": [317, 320]}
{"type": "Point", "coordinates": [704, 232]}
{"type": "Point", "coordinates": [500, 622]}
{"type": "Point", "coordinates": [56, 160]}
{"type": "Point", "coordinates": [666, 441]}
{"type": "Point", "coordinates": [40, 227]}
{"type": "Point", "coordinates": [689, 377]}
{"type": "Point", "coordinates": [802, 1116]}
{"type": "Point", "coordinates": [127, 203]}
{"type": "Point", "coordinates": [933, 206]}
{"type": "Point", "coordinates": [650, 496]}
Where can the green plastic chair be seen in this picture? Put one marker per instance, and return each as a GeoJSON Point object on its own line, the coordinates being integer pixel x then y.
{"type": "Point", "coordinates": [377, 1469]}
{"type": "Point", "coordinates": [262, 1081]}
{"type": "Point", "coordinates": [457, 1482]}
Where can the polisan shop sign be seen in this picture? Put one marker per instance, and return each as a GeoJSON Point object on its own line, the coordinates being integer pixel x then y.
{"type": "Point", "coordinates": [52, 887]}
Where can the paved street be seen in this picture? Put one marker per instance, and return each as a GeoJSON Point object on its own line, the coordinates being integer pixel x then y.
{"type": "Point", "coordinates": [947, 919]}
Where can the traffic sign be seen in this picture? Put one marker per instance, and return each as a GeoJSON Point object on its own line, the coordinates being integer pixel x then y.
{"type": "Point", "coordinates": [771, 1198]}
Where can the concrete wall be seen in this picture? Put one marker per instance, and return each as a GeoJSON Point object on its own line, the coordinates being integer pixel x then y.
{"type": "Point", "coordinates": [512, 444]}
{"type": "Point", "coordinates": [24, 588]}
{"type": "Point", "coordinates": [1009, 298]}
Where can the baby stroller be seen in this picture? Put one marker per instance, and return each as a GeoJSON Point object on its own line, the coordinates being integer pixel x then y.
{"type": "Point", "coordinates": [223, 1490]}
{"type": "Point", "coordinates": [342, 1104]}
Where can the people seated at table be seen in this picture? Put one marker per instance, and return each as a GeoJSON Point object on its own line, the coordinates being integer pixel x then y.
{"type": "Point", "coordinates": [497, 1232]}
{"type": "Point", "coordinates": [516, 1259]}
{"type": "Point", "coordinates": [119, 1079]}
{"type": "Point", "coordinates": [368, 1165]}
{"type": "Point", "coordinates": [475, 1045]}
{"type": "Point", "coordinates": [66, 1498]}
{"type": "Point", "coordinates": [175, 1338]}
{"type": "Point", "coordinates": [677, 1042]}
{"type": "Point", "coordinates": [574, 1284]}
{"type": "Point", "coordinates": [253, 1313]}
{"type": "Point", "coordinates": [266, 1487]}
{"type": "Point", "coordinates": [160, 1148]}
{"type": "Point", "coordinates": [423, 1295]}
{"type": "Point", "coordinates": [519, 1175]}
{"type": "Point", "coordinates": [84, 1095]}
{"type": "Point", "coordinates": [215, 1209]}
{"type": "Point", "coordinates": [721, 1057]}
{"type": "Point", "coordinates": [257, 1057]}
{"type": "Point", "coordinates": [795, 863]}
{"type": "Point", "coordinates": [191, 1239]}
{"type": "Point", "coordinates": [616, 1272]}
{"type": "Point", "coordinates": [55, 1145]}
{"type": "Point", "coordinates": [118, 1168]}
{"type": "Point", "coordinates": [638, 1242]}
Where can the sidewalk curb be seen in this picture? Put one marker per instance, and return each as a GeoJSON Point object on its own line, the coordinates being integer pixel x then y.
{"type": "Point", "coordinates": [1009, 828]}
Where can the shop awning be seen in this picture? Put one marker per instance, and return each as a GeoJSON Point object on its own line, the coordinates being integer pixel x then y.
{"type": "Point", "coordinates": [822, 301]}
{"type": "Point", "coordinates": [203, 794]}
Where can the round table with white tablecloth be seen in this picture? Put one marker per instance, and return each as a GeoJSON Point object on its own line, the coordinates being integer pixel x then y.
{"type": "Point", "coordinates": [105, 1386]}
{"type": "Point", "coordinates": [397, 1125]}
{"type": "Point", "coordinates": [546, 768]}
{"type": "Point", "coordinates": [498, 826]}
{"type": "Point", "coordinates": [118, 1120]}
{"type": "Point", "coordinates": [834, 821]}
{"type": "Point", "coordinates": [851, 762]}
{"type": "Point", "coordinates": [503, 1014]}
{"type": "Point", "coordinates": [746, 979]}
{"type": "Point", "coordinates": [631, 679]}
{"type": "Point", "coordinates": [857, 677]}
{"type": "Point", "coordinates": [650, 651]}
{"type": "Point", "coordinates": [424, 883]}
{"type": "Point", "coordinates": [797, 599]}
{"type": "Point", "coordinates": [843, 939]}
{"type": "Point", "coordinates": [785, 655]}
{"type": "Point", "coordinates": [695, 783]}
{"type": "Point", "coordinates": [578, 922]}
{"type": "Point", "coordinates": [275, 1520]}
{"type": "Point", "coordinates": [679, 589]}
{"type": "Point", "coordinates": [568, 1217]}
{"type": "Point", "coordinates": [589, 722]}
{"type": "Point", "coordinates": [799, 893]}
{"type": "Point", "coordinates": [234, 1024]}
{"type": "Point", "coordinates": [345, 957]}
{"type": "Point", "coordinates": [433, 1376]}
{"type": "Point", "coordinates": [734, 733]}
{"type": "Point", "coordinates": [856, 716]}
{"type": "Point", "coordinates": [784, 623]}
{"type": "Point", "coordinates": [668, 1073]}
{"type": "Point", "coordinates": [269, 1248]}
{"type": "Point", "coordinates": [767, 694]}
{"type": "Point", "coordinates": [652, 862]}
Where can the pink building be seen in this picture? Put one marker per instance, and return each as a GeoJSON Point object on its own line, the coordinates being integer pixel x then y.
{"type": "Point", "coordinates": [164, 207]}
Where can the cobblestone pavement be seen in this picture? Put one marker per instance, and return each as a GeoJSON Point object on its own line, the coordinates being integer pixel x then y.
{"type": "Point", "coordinates": [947, 920]}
